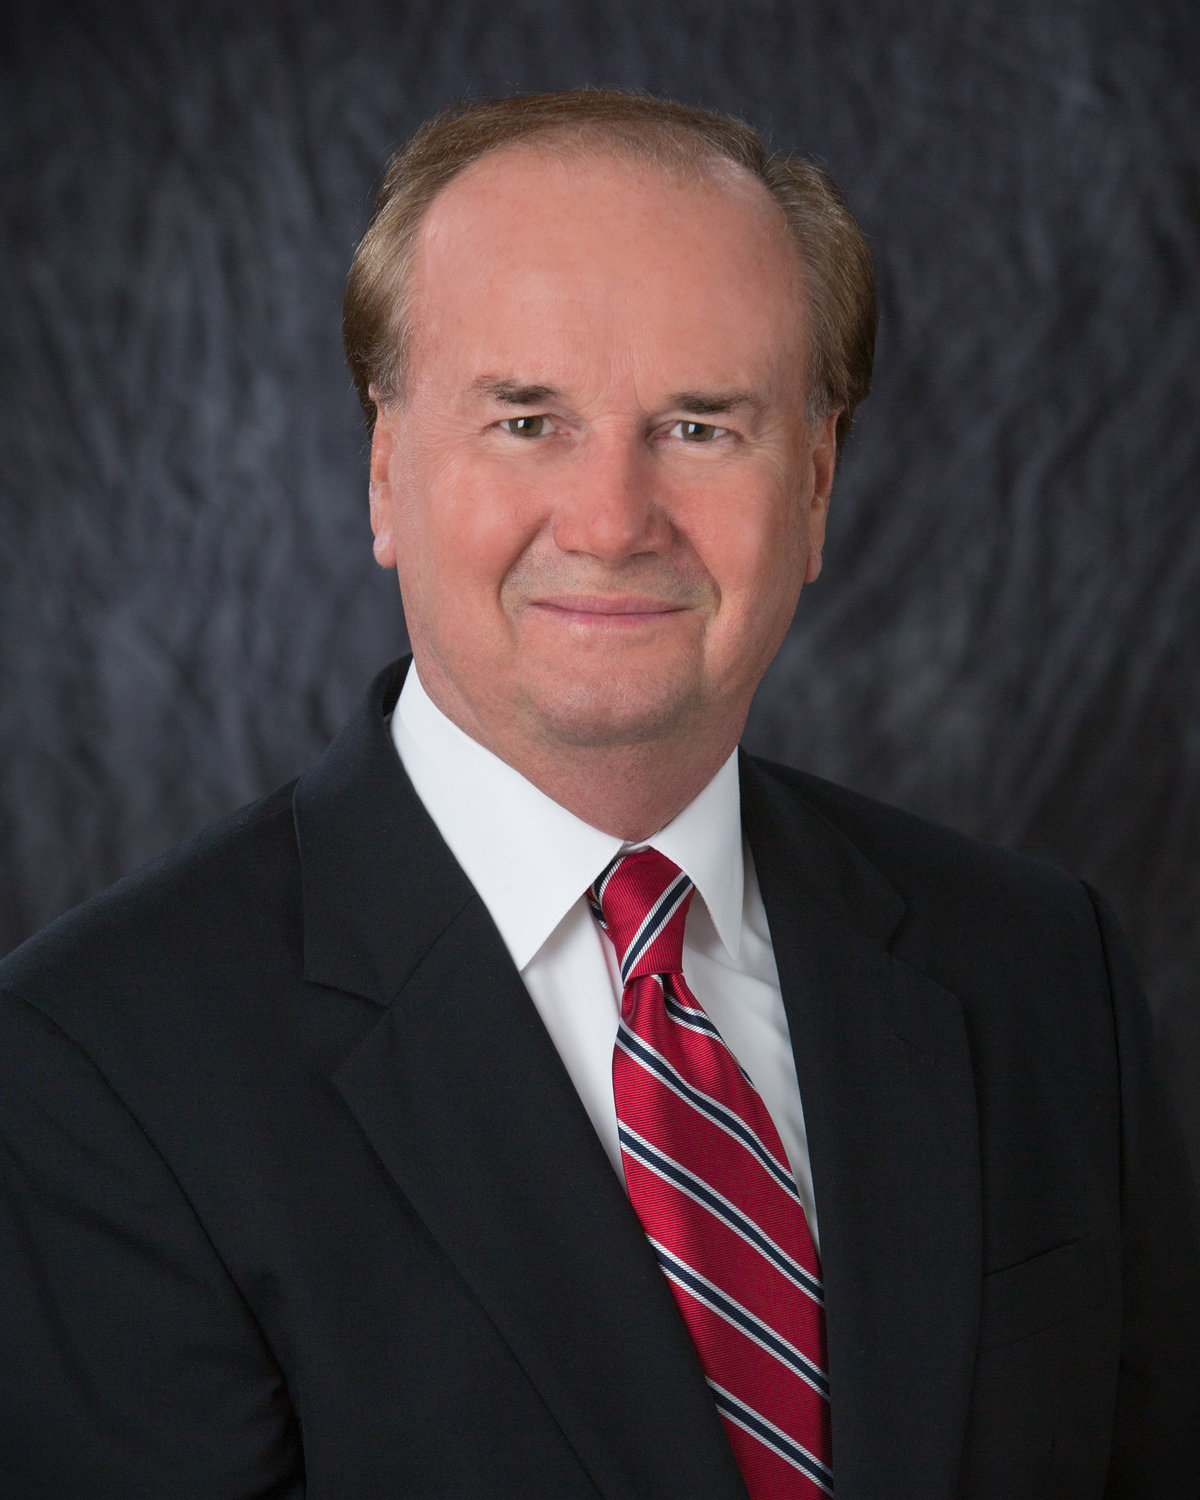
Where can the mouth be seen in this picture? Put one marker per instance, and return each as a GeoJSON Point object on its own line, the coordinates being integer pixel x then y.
{"type": "Point", "coordinates": [606, 611]}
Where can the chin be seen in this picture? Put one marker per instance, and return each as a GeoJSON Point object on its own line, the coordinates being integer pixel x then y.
{"type": "Point", "coordinates": [607, 714]}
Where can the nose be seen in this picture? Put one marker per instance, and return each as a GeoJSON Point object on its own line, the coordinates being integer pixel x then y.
{"type": "Point", "coordinates": [610, 503]}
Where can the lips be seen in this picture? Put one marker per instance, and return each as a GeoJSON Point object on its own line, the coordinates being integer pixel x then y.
{"type": "Point", "coordinates": [609, 607]}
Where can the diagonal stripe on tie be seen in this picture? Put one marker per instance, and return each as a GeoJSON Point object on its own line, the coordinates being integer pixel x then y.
{"type": "Point", "coordinates": [720, 1114]}
{"type": "Point", "coordinates": [692, 1153]}
{"type": "Point", "coordinates": [655, 923]}
{"type": "Point", "coordinates": [740, 1317]}
{"type": "Point", "coordinates": [686, 1016]}
{"type": "Point", "coordinates": [719, 1207]}
{"type": "Point", "coordinates": [710, 1181]}
{"type": "Point", "coordinates": [774, 1438]}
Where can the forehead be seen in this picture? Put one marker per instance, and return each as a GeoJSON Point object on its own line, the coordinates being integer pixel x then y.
{"type": "Point", "coordinates": [625, 251]}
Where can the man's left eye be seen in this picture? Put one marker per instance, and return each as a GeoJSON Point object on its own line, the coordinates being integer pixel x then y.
{"type": "Point", "coordinates": [696, 432]}
{"type": "Point", "coordinates": [527, 427]}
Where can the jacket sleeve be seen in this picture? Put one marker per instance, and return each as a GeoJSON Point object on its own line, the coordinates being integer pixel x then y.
{"type": "Point", "coordinates": [1156, 1426]}
{"type": "Point", "coordinates": [131, 1364]}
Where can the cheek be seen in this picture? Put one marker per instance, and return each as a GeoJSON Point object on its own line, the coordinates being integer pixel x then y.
{"type": "Point", "coordinates": [756, 548]}
{"type": "Point", "coordinates": [461, 532]}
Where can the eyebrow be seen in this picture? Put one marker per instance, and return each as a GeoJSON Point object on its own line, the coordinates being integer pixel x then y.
{"type": "Point", "coordinates": [699, 403]}
{"type": "Point", "coordinates": [514, 392]}
{"type": "Point", "coordinates": [714, 403]}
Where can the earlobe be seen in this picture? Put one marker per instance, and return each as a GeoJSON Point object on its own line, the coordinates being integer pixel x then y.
{"type": "Point", "coordinates": [813, 571]}
{"type": "Point", "coordinates": [385, 546]}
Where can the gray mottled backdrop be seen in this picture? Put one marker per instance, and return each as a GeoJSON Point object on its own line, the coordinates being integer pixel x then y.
{"type": "Point", "coordinates": [1005, 637]}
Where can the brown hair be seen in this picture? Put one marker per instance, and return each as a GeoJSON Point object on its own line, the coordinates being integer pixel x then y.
{"type": "Point", "coordinates": [674, 137]}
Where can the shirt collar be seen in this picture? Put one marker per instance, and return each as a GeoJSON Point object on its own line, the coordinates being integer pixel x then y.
{"type": "Point", "coordinates": [527, 856]}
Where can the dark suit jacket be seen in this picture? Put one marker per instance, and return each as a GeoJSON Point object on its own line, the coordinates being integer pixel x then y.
{"type": "Point", "coordinates": [298, 1199]}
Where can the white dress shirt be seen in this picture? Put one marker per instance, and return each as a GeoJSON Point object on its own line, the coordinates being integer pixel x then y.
{"type": "Point", "coordinates": [532, 861]}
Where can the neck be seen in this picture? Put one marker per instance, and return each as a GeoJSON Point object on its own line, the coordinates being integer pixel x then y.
{"type": "Point", "coordinates": [628, 789]}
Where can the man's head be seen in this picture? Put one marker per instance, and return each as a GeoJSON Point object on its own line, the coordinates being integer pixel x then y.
{"type": "Point", "coordinates": [677, 138]}
{"type": "Point", "coordinates": [602, 454]}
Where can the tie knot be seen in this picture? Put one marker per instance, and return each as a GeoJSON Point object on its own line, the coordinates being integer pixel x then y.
{"type": "Point", "coordinates": [641, 901]}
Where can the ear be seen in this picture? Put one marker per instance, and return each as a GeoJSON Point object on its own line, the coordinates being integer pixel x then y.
{"type": "Point", "coordinates": [823, 457]}
{"type": "Point", "coordinates": [382, 500]}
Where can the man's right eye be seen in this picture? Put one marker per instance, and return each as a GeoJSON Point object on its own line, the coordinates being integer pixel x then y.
{"type": "Point", "coordinates": [527, 427]}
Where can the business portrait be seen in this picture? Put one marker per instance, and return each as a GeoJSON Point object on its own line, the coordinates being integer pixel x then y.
{"type": "Point", "coordinates": [556, 1082]}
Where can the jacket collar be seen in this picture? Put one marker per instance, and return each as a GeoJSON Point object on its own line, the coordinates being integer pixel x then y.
{"type": "Point", "coordinates": [379, 884]}
{"type": "Point", "coordinates": [798, 848]}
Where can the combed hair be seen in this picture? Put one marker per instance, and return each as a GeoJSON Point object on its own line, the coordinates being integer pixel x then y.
{"type": "Point", "coordinates": [677, 139]}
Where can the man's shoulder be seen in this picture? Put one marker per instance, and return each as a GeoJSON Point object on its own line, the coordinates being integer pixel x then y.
{"type": "Point", "coordinates": [896, 838]}
{"type": "Point", "coordinates": [217, 924]}
{"type": "Point", "coordinates": [951, 884]}
{"type": "Point", "coordinates": [232, 884]}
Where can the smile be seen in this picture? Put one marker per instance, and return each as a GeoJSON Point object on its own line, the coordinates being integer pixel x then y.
{"type": "Point", "coordinates": [602, 612]}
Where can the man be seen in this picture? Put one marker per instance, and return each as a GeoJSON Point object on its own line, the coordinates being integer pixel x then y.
{"type": "Point", "coordinates": [538, 1099]}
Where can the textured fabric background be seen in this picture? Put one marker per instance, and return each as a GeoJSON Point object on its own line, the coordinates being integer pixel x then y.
{"type": "Point", "coordinates": [1005, 637]}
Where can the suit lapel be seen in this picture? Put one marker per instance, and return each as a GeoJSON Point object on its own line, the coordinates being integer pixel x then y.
{"type": "Point", "coordinates": [882, 1059]}
{"type": "Point", "coordinates": [463, 1097]}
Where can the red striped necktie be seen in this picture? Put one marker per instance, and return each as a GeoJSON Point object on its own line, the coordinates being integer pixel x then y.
{"type": "Point", "coordinates": [710, 1181]}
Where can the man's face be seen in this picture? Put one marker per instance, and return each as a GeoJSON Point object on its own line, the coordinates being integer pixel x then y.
{"type": "Point", "coordinates": [600, 489]}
